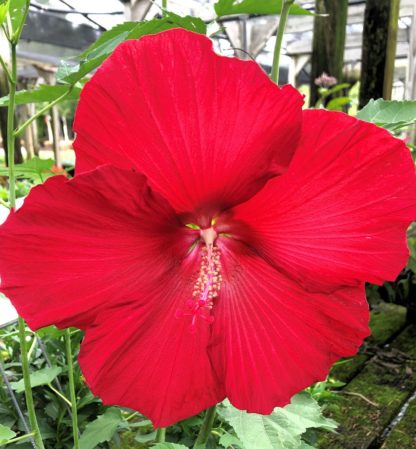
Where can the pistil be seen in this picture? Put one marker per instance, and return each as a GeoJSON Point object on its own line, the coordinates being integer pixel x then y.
{"type": "Point", "coordinates": [208, 284]}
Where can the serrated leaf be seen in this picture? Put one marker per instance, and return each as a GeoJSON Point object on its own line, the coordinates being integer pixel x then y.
{"type": "Point", "coordinates": [95, 55]}
{"type": "Point", "coordinates": [227, 440]}
{"type": "Point", "coordinates": [4, 9]}
{"type": "Point", "coordinates": [35, 169]}
{"type": "Point", "coordinates": [43, 376]}
{"type": "Point", "coordinates": [229, 7]}
{"type": "Point", "coordinates": [43, 93]}
{"type": "Point", "coordinates": [101, 429]}
{"type": "Point", "coordinates": [169, 446]}
{"type": "Point", "coordinates": [392, 115]}
{"type": "Point", "coordinates": [282, 429]}
{"type": "Point", "coordinates": [6, 434]}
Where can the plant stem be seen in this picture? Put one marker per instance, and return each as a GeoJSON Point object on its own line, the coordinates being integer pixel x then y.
{"type": "Point", "coordinates": [72, 393]}
{"type": "Point", "coordinates": [12, 201]}
{"type": "Point", "coordinates": [15, 403]}
{"type": "Point", "coordinates": [23, 437]}
{"type": "Point", "coordinates": [41, 111]}
{"type": "Point", "coordinates": [164, 7]}
{"type": "Point", "coordinates": [205, 430]}
{"type": "Point", "coordinates": [6, 69]}
{"type": "Point", "coordinates": [279, 39]}
{"type": "Point", "coordinates": [160, 435]}
{"type": "Point", "coordinates": [60, 395]}
{"type": "Point", "coordinates": [28, 390]}
{"type": "Point", "coordinates": [10, 130]}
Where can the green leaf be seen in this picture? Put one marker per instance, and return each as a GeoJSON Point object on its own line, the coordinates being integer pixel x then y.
{"type": "Point", "coordinates": [229, 7]}
{"type": "Point", "coordinates": [227, 440]}
{"type": "Point", "coordinates": [336, 104]}
{"type": "Point", "coordinates": [43, 93]}
{"type": "Point", "coordinates": [6, 434]}
{"type": "Point", "coordinates": [304, 445]}
{"type": "Point", "coordinates": [392, 115]}
{"type": "Point", "coordinates": [323, 92]}
{"type": "Point", "coordinates": [42, 377]}
{"type": "Point", "coordinates": [145, 438]}
{"type": "Point", "coordinates": [95, 55]}
{"type": "Point", "coordinates": [50, 331]}
{"type": "Point", "coordinates": [4, 9]}
{"type": "Point", "coordinates": [17, 11]}
{"type": "Point", "coordinates": [280, 430]}
{"type": "Point", "coordinates": [101, 429]}
{"type": "Point", "coordinates": [35, 169]}
{"type": "Point", "coordinates": [169, 446]}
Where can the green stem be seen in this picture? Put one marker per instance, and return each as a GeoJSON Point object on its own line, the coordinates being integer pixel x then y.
{"type": "Point", "coordinates": [60, 395]}
{"type": "Point", "coordinates": [131, 416]}
{"type": "Point", "coordinates": [10, 126]}
{"type": "Point", "coordinates": [284, 14]}
{"type": "Point", "coordinates": [72, 393]}
{"type": "Point", "coordinates": [22, 437]}
{"type": "Point", "coordinates": [160, 435]}
{"type": "Point", "coordinates": [205, 430]}
{"type": "Point", "coordinates": [26, 379]}
{"type": "Point", "coordinates": [164, 7]}
{"type": "Point", "coordinates": [42, 111]}
{"type": "Point", "coordinates": [6, 69]}
{"type": "Point", "coordinates": [12, 201]}
{"type": "Point", "coordinates": [4, 203]}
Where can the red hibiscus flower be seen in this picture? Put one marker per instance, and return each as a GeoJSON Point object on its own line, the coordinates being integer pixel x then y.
{"type": "Point", "coordinates": [216, 239]}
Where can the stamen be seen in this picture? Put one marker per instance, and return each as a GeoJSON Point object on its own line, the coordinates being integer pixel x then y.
{"type": "Point", "coordinates": [206, 287]}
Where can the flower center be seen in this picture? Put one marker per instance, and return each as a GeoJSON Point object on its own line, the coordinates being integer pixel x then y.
{"type": "Point", "coordinates": [208, 283]}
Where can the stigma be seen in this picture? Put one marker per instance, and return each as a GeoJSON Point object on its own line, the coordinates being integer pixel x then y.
{"type": "Point", "coordinates": [208, 282]}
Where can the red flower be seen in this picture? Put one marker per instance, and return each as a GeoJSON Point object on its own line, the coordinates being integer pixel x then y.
{"type": "Point", "coordinates": [265, 291]}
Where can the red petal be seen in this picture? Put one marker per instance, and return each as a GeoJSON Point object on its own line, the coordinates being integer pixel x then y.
{"type": "Point", "coordinates": [340, 213]}
{"type": "Point", "coordinates": [77, 246]}
{"type": "Point", "coordinates": [206, 130]}
{"type": "Point", "coordinates": [271, 338]}
{"type": "Point", "coordinates": [147, 358]}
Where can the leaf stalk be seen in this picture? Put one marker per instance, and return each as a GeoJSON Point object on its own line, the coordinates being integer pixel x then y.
{"type": "Point", "coordinates": [284, 14]}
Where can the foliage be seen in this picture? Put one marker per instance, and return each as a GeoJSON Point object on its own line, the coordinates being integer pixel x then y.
{"type": "Point", "coordinates": [228, 7]}
{"type": "Point", "coordinates": [94, 55]}
{"type": "Point", "coordinates": [36, 170]}
{"type": "Point", "coordinates": [43, 376]}
{"type": "Point", "coordinates": [392, 115]}
{"type": "Point", "coordinates": [331, 102]}
{"type": "Point", "coordinates": [282, 429]}
{"type": "Point", "coordinates": [43, 93]}
{"type": "Point", "coordinates": [102, 429]}
{"type": "Point", "coordinates": [4, 9]}
{"type": "Point", "coordinates": [6, 434]}
{"type": "Point", "coordinates": [48, 366]}
{"type": "Point", "coordinates": [70, 75]}
{"type": "Point", "coordinates": [17, 11]}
